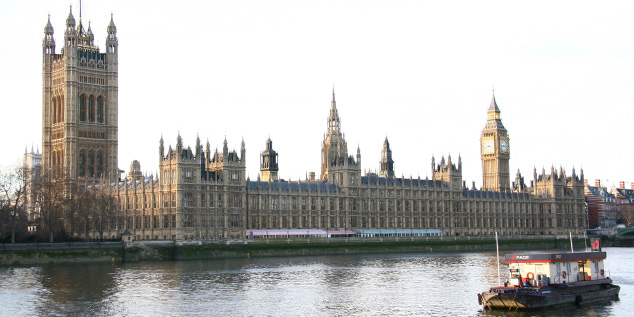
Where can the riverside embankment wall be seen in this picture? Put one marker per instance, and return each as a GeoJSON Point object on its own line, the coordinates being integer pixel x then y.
{"type": "Point", "coordinates": [100, 252]}
{"type": "Point", "coordinates": [49, 253]}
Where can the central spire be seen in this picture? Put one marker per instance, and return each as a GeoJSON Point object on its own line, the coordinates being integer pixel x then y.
{"type": "Point", "coordinates": [333, 118]}
{"type": "Point", "coordinates": [333, 94]}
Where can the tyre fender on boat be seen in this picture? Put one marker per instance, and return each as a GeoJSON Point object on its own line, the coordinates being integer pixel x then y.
{"type": "Point", "coordinates": [563, 274]}
{"type": "Point", "coordinates": [480, 299]}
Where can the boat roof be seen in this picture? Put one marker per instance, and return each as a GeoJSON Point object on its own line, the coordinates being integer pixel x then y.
{"type": "Point", "coordinates": [554, 257]}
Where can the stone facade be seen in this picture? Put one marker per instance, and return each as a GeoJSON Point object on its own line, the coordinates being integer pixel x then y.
{"type": "Point", "coordinates": [80, 104]}
{"type": "Point", "coordinates": [201, 195]}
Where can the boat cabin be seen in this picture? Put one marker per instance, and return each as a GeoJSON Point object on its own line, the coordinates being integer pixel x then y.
{"type": "Point", "coordinates": [543, 269]}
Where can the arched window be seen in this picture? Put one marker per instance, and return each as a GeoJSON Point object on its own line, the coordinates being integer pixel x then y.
{"type": "Point", "coordinates": [91, 164]}
{"type": "Point", "coordinates": [60, 103]}
{"type": "Point", "coordinates": [100, 109]}
{"type": "Point", "coordinates": [99, 164]}
{"type": "Point", "coordinates": [82, 108]}
{"type": "Point", "coordinates": [54, 108]}
{"type": "Point", "coordinates": [82, 163]}
{"type": "Point", "coordinates": [58, 110]}
{"type": "Point", "coordinates": [91, 109]}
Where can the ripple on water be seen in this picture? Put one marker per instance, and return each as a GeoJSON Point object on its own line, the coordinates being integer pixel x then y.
{"type": "Point", "coordinates": [438, 284]}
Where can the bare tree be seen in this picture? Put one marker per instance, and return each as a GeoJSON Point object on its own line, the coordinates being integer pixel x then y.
{"type": "Point", "coordinates": [80, 205]}
{"type": "Point", "coordinates": [95, 209]}
{"type": "Point", "coordinates": [627, 214]}
{"type": "Point", "coordinates": [12, 197]}
{"type": "Point", "coordinates": [51, 199]}
{"type": "Point", "coordinates": [105, 213]}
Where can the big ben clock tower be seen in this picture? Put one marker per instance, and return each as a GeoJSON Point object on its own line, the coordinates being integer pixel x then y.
{"type": "Point", "coordinates": [495, 152]}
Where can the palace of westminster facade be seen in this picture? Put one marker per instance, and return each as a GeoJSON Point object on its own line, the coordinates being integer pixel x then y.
{"type": "Point", "coordinates": [205, 195]}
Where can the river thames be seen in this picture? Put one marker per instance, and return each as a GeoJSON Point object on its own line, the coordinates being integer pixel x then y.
{"type": "Point", "coordinates": [423, 284]}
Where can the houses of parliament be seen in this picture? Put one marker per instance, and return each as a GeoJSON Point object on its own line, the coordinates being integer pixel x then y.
{"type": "Point", "coordinates": [203, 195]}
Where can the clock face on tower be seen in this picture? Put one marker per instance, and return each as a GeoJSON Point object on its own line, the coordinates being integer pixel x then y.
{"type": "Point", "coordinates": [487, 146]}
{"type": "Point", "coordinates": [504, 146]}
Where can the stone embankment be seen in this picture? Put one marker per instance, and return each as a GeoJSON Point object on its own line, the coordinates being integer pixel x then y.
{"type": "Point", "coordinates": [72, 252]}
{"type": "Point", "coordinates": [162, 250]}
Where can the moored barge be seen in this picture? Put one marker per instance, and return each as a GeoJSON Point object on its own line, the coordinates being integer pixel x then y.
{"type": "Point", "coordinates": [539, 280]}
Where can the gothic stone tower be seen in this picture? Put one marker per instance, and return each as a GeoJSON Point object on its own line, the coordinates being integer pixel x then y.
{"type": "Point", "coordinates": [80, 104]}
{"type": "Point", "coordinates": [336, 166]}
{"type": "Point", "coordinates": [495, 152]}
{"type": "Point", "coordinates": [268, 163]}
{"type": "Point", "coordinates": [387, 163]}
{"type": "Point", "coordinates": [448, 172]}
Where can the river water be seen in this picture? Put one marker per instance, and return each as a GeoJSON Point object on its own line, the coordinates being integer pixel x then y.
{"type": "Point", "coordinates": [426, 284]}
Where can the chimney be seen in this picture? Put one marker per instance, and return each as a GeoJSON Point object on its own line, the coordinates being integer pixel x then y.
{"type": "Point", "coordinates": [597, 183]}
{"type": "Point", "coordinates": [311, 176]}
{"type": "Point", "coordinates": [622, 185]}
{"type": "Point", "coordinates": [632, 183]}
{"type": "Point", "coordinates": [585, 182]}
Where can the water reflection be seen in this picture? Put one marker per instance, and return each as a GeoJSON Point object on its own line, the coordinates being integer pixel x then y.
{"type": "Point", "coordinates": [401, 284]}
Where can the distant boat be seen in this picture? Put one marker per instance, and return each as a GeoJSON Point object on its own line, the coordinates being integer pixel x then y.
{"type": "Point", "coordinates": [539, 280]}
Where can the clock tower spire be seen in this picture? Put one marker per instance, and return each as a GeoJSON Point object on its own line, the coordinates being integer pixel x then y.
{"type": "Point", "coordinates": [495, 151]}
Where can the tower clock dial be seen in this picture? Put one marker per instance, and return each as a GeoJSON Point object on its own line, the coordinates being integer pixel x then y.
{"type": "Point", "coordinates": [504, 146]}
{"type": "Point", "coordinates": [487, 146]}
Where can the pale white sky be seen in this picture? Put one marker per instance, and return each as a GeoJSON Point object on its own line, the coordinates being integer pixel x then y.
{"type": "Point", "coordinates": [420, 72]}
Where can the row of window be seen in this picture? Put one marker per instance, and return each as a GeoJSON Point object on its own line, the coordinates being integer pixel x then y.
{"type": "Point", "coordinates": [211, 221]}
{"type": "Point", "coordinates": [187, 221]}
{"type": "Point", "coordinates": [92, 80]}
{"type": "Point", "coordinates": [91, 163]}
{"type": "Point", "coordinates": [188, 200]}
{"type": "Point", "coordinates": [91, 109]}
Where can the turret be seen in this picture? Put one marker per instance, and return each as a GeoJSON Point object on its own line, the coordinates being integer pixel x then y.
{"type": "Point", "coordinates": [179, 144]}
{"type": "Point", "coordinates": [519, 185]}
{"type": "Point", "coordinates": [207, 150]}
{"type": "Point", "coordinates": [81, 34]}
{"type": "Point", "coordinates": [111, 39]}
{"type": "Point", "coordinates": [161, 148]}
{"type": "Point", "coordinates": [199, 147]}
{"type": "Point", "coordinates": [387, 164]}
{"type": "Point", "coordinates": [225, 150]}
{"type": "Point", "coordinates": [268, 163]}
{"type": "Point", "coordinates": [90, 37]}
{"type": "Point", "coordinates": [70, 36]}
{"type": "Point", "coordinates": [243, 152]}
{"type": "Point", "coordinates": [48, 43]}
